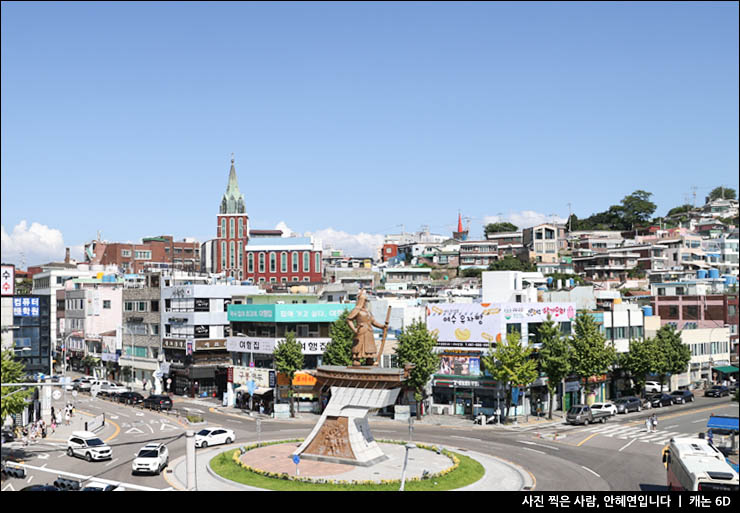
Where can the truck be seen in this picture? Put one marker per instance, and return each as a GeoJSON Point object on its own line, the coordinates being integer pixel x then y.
{"type": "Point", "coordinates": [583, 414]}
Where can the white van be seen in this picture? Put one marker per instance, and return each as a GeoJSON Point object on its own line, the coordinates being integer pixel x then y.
{"type": "Point", "coordinates": [86, 444]}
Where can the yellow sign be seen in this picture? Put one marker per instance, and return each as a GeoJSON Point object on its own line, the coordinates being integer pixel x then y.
{"type": "Point", "coordinates": [300, 379]}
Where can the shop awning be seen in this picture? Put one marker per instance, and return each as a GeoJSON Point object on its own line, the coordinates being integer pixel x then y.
{"type": "Point", "coordinates": [262, 391]}
{"type": "Point", "coordinates": [728, 423]}
{"type": "Point", "coordinates": [728, 369]}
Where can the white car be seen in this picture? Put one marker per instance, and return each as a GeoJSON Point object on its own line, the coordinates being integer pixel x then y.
{"type": "Point", "coordinates": [151, 458]}
{"type": "Point", "coordinates": [86, 444]}
{"type": "Point", "coordinates": [214, 436]}
{"type": "Point", "coordinates": [112, 389]}
{"type": "Point", "coordinates": [611, 408]}
{"type": "Point", "coordinates": [98, 486]}
{"type": "Point", "coordinates": [654, 386]}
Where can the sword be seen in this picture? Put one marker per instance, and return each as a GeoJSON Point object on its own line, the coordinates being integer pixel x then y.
{"type": "Point", "coordinates": [385, 333]}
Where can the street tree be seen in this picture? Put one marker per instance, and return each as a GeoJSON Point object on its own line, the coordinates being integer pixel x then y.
{"type": "Point", "coordinates": [339, 350]}
{"type": "Point", "coordinates": [554, 357]}
{"type": "Point", "coordinates": [13, 398]}
{"type": "Point", "coordinates": [511, 363]}
{"type": "Point", "coordinates": [416, 346]}
{"type": "Point", "coordinates": [722, 193]}
{"type": "Point", "coordinates": [637, 208]}
{"type": "Point", "coordinates": [591, 354]}
{"type": "Point", "coordinates": [288, 356]}
{"type": "Point", "coordinates": [639, 361]}
{"type": "Point", "coordinates": [672, 356]}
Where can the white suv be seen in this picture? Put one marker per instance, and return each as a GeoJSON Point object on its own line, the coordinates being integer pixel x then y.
{"type": "Point", "coordinates": [604, 407]}
{"type": "Point", "coordinates": [86, 444]}
{"type": "Point", "coordinates": [654, 386]}
{"type": "Point", "coordinates": [151, 458]}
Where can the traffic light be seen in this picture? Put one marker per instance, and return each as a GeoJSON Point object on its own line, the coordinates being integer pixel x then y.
{"type": "Point", "coordinates": [67, 484]}
{"type": "Point", "coordinates": [13, 471]}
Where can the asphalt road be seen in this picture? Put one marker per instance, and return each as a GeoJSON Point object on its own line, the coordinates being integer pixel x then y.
{"type": "Point", "coordinates": [617, 456]}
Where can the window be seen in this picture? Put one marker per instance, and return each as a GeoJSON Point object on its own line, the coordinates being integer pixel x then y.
{"type": "Point", "coordinates": [680, 291]}
{"type": "Point", "coordinates": [284, 280]}
{"type": "Point", "coordinates": [273, 280]}
{"type": "Point", "coordinates": [317, 262]}
{"type": "Point", "coordinates": [250, 263]}
{"type": "Point", "coordinates": [661, 291]}
{"type": "Point", "coordinates": [106, 304]}
{"type": "Point", "coordinates": [223, 253]}
{"type": "Point", "coordinates": [125, 252]}
{"type": "Point", "coordinates": [231, 228]}
{"type": "Point", "coordinates": [232, 253]}
{"type": "Point", "coordinates": [241, 252]}
{"type": "Point", "coordinates": [154, 306]}
{"type": "Point", "coordinates": [306, 261]}
{"type": "Point", "coordinates": [241, 228]}
{"type": "Point", "coordinates": [143, 255]}
{"type": "Point", "coordinates": [262, 263]}
{"type": "Point", "coordinates": [141, 306]}
{"type": "Point", "coordinates": [294, 261]}
{"type": "Point", "coordinates": [273, 262]}
{"type": "Point", "coordinates": [128, 306]}
{"type": "Point", "coordinates": [223, 228]}
{"type": "Point", "coordinates": [283, 262]}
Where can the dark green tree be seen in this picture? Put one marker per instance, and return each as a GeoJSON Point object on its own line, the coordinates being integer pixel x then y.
{"type": "Point", "coordinates": [637, 209]}
{"type": "Point", "coordinates": [722, 193]}
{"type": "Point", "coordinates": [339, 350]}
{"type": "Point", "coordinates": [500, 227]}
{"type": "Point", "coordinates": [416, 346]}
{"type": "Point", "coordinates": [13, 398]}
{"type": "Point", "coordinates": [511, 363]}
{"type": "Point", "coordinates": [288, 356]}
{"type": "Point", "coordinates": [639, 361]}
{"type": "Point", "coordinates": [511, 263]}
{"type": "Point", "coordinates": [554, 357]}
{"type": "Point", "coordinates": [672, 356]}
{"type": "Point", "coordinates": [683, 209]}
{"type": "Point", "coordinates": [591, 354]}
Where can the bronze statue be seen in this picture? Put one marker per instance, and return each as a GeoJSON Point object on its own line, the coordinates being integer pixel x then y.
{"type": "Point", "coordinates": [364, 348]}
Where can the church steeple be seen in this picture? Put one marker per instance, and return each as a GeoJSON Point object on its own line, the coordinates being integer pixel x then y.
{"type": "Point", "coordinates": [233, 200]}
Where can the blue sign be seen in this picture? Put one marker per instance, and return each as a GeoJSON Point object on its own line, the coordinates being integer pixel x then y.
{"type": "Point", "coordinates": [515, 395]}
{"type": "Point", "coordinates": [26, 306]}
{"type": "Point", "coordinates": [296, 459]}
{"type": "Point", "coordinates": [250, 386]}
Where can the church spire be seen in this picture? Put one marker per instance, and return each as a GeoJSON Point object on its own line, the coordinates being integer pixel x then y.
{"type": "Point", "coordinates": [233, 200]}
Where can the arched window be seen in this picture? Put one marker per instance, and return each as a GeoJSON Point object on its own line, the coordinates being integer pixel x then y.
{"type": "Point", "coordinates": [223, 254]}
{"type": "Point", "coordinates": [306, 261]}
{"type": "Point", "coordinates": [273, 262]}
{"type": "Point", "coordinates": [241, 228]}
{"type": "Point", "coordinates": [317, 262]}
{"type": "Point", "coordinates": [250, 262]}
{"type": "Point", "coordinates": [231, 228]}
{"type": "Point", "coordinates": [283, 262]}
{"type": "Point", "coordinates": [232, 254]}
{"type": "Point", "coordinates": [294, 261]}
{"type": "Point", "coordinates": [241, 252]}
{"type": "Point", "coordinates": [262, 263]}
{"type": "Point", "coordinates": [223, 228]}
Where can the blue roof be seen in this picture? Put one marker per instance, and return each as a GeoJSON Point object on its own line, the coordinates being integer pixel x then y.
{"type": "Point", "coordinates": [717, 422]}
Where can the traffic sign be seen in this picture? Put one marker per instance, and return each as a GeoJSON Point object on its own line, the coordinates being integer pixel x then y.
{"type": "Point", "coordinates": [57, 394]}
{"type": "Point", "coordinates": [250, 386]}
{"type": "Point", "coordinates": [296, 459]}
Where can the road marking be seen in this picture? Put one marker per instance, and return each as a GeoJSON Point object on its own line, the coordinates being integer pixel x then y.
{"type": "Point", "coordinates": [533, 450]}
{"type": "Point", "coordinates": [233, 421]}
{"type": "Point", "coordinates": [630, 443]}
{"type": "Point", "coordinates": [697, 421]}
{"type": "Point", "coordinates": [539, 445]}
{"type": "Point", "coordinates": [165, 427]}
{"type": "Point", "coordinates": [586, 440]}
{"type": "Point", "coordinates": [9, 487]}
{"type": "Point", "coordinates": [594, 473]}
{"type": "Point", "coordinates": [111, 462]}
{"type": "Point", "coordinates": [135, 431]}
{"type": "Point", "coordinates": [30, 478]}
{"type": "Point", "coordinates": [671, 427]}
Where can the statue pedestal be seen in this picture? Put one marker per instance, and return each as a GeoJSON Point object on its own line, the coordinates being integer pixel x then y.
{"type": "Point", "coordinates": [342, 434]}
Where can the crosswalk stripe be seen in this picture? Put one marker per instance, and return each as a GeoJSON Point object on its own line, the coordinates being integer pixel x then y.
{"type": "Point", "coordinates": [604, 429]}
{"type": "Point", "coordinates": [663, 435]}
{"type": "Point", "coordinates": [623, 431]}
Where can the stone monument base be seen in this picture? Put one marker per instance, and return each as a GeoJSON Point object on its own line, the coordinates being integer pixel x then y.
{"type": "Point", "coordinates": [342, 434]}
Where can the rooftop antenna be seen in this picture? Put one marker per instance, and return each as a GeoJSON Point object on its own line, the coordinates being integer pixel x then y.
{"type": "Point", "coordinates": [693, 193]}
{"type": "Point", "coordinates": [570, 215]}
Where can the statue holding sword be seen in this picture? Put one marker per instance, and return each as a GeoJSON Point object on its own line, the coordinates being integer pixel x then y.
{"type": "Point", "coordinates": [361, 322]}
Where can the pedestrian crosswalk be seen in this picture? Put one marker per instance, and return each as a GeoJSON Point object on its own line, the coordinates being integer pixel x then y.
{"type": "Point", "coordinates": [637, 432]}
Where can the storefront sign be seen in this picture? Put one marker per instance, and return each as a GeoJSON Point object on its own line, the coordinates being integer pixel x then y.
{"type": "Point", "coordinates": [572, 386]}
{"type": "Point", "coordinates": [201, 331]}
{"type": "Point", "coordinates": [201, 345]}
{"type": "Point", "coordinates": [323, 312]}
{"type": "Point", "coordinates": [242, 376]}
{"type": "Point", "coordinates": [299, 379]}
{"type": "Point", "coordinates": [202, 304]}
{"type": "Point", "coordinates": [7, 277]}
{"type": "Point", "coordinates": [265, 345]}
{"type": "Point", "coordinates": [25, 307]}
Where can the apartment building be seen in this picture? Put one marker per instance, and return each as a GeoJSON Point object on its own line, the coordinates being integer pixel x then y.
{"type": "Point", "coordinates": [543, 242]}
{"type": "Point", "coordinates": [152, 253]}
{"type": "Point", "coordinates": [611, 265]}
{"type": "Point", "coordinates": [478, 254]}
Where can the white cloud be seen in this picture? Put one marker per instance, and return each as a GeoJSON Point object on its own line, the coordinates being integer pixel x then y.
{"type": "Point", "coordinates": [36, 244]}
{"type": "Point", "coordinates": [524, 219]}
{"type": "Point", "coordinates": [357, 245]}
{"type": "Point", "coordinates": [287, 232]}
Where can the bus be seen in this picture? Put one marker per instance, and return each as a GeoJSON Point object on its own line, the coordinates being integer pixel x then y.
{"type": "Point", "coordinates": [693, 464]}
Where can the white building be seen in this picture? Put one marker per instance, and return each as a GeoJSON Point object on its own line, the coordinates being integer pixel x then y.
{"type": "Point", "coordinates": [511, 286]}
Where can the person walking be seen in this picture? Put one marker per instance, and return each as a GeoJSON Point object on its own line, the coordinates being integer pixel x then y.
{"type": "Point", "coordinates": [66, 417]}
{"type": "Point", "coordinates": [654, 422]}
{"type": "Point", "coordinates": [144, 381]}
{"type": "Point", "coordinates": [648, 425]}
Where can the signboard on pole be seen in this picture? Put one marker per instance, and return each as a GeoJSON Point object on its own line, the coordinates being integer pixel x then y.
{"type": "Point", "coordinates": [7, 285]}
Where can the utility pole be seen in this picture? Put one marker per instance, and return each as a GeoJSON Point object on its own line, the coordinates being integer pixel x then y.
{"type": "Point", "coordinates": [570, 222]}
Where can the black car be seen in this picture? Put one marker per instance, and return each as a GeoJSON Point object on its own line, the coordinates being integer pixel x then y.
{"type": "Point", "coordinates": [658, 400]}
{"type": "Point", "coordinates": [40, 488]}
{"type": "Point", "coordinates": [628, 404]}
{"type": "Point", "coordinates": [157, 402]}
{"type": "Point", "coordinates": [129, 397]}
{"type": "Point", "coordinates": [717, 391]}
{"type": "Point", "coordinates": [682, 396]}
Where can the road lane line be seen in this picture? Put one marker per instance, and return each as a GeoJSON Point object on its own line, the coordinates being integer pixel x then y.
{"type": "Point", "coordinates": [586, 440]}
{"type": "Point", "coordinates": [630, 443]}
{"type": "Point", "coordinates": [594, 473]}
{"type": "Point", "coordinates": [671, 427]}
{"type": "Point", "coordinates": [539, 445]}
{"type": "Point", "coordinates": [697, 421]}
{"type": "Point", "coordinates": [111, 462]}
{"type": "Point", "coordinates": [533, 450]}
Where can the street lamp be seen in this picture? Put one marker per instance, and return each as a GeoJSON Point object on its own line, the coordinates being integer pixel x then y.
{"type": "Point", "coordinates": [405, 462]}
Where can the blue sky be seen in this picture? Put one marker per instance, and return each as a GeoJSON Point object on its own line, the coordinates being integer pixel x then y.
{"type": "Point", "coordinates": [348, 120]}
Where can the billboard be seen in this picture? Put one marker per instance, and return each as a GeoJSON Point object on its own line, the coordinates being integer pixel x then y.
{"type": "Point", "coordinates": [476, 324]}
{"type": "Point", "coordinates": [25, 307]}
{"type": "Point", "coordinates": [457, 365]}
{"type": "Point", "coordinates": [7, 273]}
{"type": "Point", "coordinates": [316, 312]}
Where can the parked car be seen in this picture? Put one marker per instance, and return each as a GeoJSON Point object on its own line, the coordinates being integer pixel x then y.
{"type": "Point", "coordinates": [40, 488]}
{"type": "Point", "coordinates": [129, 397]}
{"type": "Point", "coordinates": [582, 414]}
{"type": "Point", "coordinates": [658, 400]}
{"type": "Point", "coordinates": [654, 386]}
{"type": "Point", "coordinates": [97, 486]}
{"type": "Point", "coordinates": [157, 402]}
{"type": "Point", "coordinates": [84, 384]}
{"type": "Point", "coordinates": [628, 404]}
{"type": "Point", "coordinates": [717, 391]}
{"type": "Point", "coordinates": [112, 389]}
{"type": "Point", "coordinates": [682, 396]}
{"type": "Point", "coordinates": [608, 407]}
{"type": "Point", "coordinates": [214, 436]}
{"type": "Point", "coordinates": [86, 444]}
{"type": "Point", "coordinates": [151, 458]}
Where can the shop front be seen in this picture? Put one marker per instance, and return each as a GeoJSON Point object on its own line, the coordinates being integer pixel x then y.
{"type": "Point", "coordinates": [306, 397]}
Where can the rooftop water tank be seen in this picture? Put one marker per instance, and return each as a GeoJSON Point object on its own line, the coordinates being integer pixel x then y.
{"type": "Point", "coordinates": [647, 311]}
{"type": "Point", "coordinates": [713, 274]}
{"type": "Point", "coordinates": [701, 274]}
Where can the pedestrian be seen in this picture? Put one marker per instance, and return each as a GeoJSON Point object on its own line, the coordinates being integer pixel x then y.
{"type": "Point", "coordinates": [169, 382]}
{"type": "Point", "coordinates": [144, 384]}
{"type": "Point", "coordinates": [58, 418]}
{"type": "Point", "coordinates": [654, 422]}
{"type": "Point", "coordinates": [52, 413]}
{"type": "Point", "coordinates": [53, 424]}
{"type": "Point", "coordinates": [648, 425]}
{"type": "Point", "coordinates": [66, 418]}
